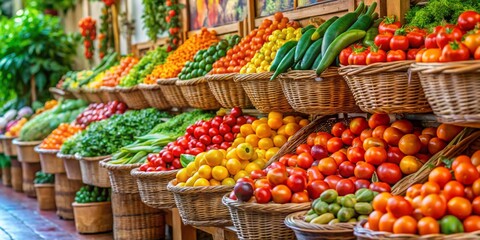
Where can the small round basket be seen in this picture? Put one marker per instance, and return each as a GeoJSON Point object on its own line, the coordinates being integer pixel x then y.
{"type": "Point", "coordinates": [92, 173]}
{"type": "Point", "coordinates": [386, 88]}
{"type": "Point", "coordinates": [366, 234]}
{"type": "Point", "coordinates": [262, 221]}
{"type": "Point", "coordinates": [49, 160]}
{"type": "Point", "coordinates": [120, 178]}
{"type": "Point", "coordinates": [198, 94]}
{"type": "Point", "coordinates": [153, 188]}
{"type": "Point", "coordinates": [93, 95]}
{"type": "Point", "coordinates": [133, 97]}
{"type": "Point", "coordinates": [61, 93]}
{"type": "Point", "coordinates": [266, 95]}
{"type": "Point", "coordinates": [227, 92]}
{"type": "Point", "coordinates": [308, 231]}
{"type": "Point", "coordinates": [451, 89]}
{"type": "Point", "coordinates": [201, 206]}
{"type": "Point", "coordinates": [71, 165]}
{"type": "Point", "coordinates": [25, 150]}
{"type": "Point", "coordinates": [111, 93]}
{"type": "Point", "coordinates": [172, 93]}
{"type": "Point", "coordinates": [307, 93]}
{"type": "Point", "coordinates": [8, 148]}
{"type": "Point", "coordinates": [154, 96]}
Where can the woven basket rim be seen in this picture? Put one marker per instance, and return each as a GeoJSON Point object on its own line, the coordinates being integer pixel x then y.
{"type": "Point", "coordinates": [293, 222]}
{"type": "Point", "coordinates": [76, 204]}
{"type": "Point", "coordinates": [143, 86]}
{"type": "Point", "coordinates": [58, 91]}
{"type": "Point", "coordinates": [126, 89]}
{"type": "Point", "coordinates": [220, 77]}
{"type": "Point", "coordinates": [190, 82]}
{"type": "Point", "coordinates": [44, 184]}
{"type": "Point", "coordinates": [196, 190]}
{"type": "Point", "coordinates": [153, 175]}
{"type": "Point", "coordinates": [65, 156]}
{"type": "Point", "coordinates": [45, 151]}
{"type": "Point", "coordinates": [107, 89]}
{"type": "Point", "coordinates": [4, 137]}
{"type": "Point", "coordinates": [117, 167]}
{"type": "Point", "coordinates": [167, 81]}
{"type": "Point", "coordinates": [265, 207]}
{"type": "Point", "coordinates": [91, 90]}
{"type": "Point", "coordinates": [99, 158]}
{"type": "Point", "coordinates": [17, 141]}
{"type": "Point", "coordinates": [245, 77]}
{"type": "Point", "coordinates": [329, 72]}
{"type": "Point", "coordinates": [457, 67]}
{"type": "Point", "coordinates": [380, 67]}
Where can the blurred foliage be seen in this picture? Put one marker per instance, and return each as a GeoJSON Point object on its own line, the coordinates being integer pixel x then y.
{"type": "Point", "coordinates": [59, 5]}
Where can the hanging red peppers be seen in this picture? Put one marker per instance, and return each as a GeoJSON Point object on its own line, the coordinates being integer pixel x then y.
{"type": "Point", "coordinates": [173, 23]}
{"type": "Point", "coordinates": [89, 33]}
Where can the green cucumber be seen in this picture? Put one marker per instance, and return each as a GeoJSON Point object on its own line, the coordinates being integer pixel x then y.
{"type": "Point", "coordinates": [311, 54]}
{"type": "Point", "coordinates": [365, 21]}
{"type": "Point", "coordinates": [377, 22]}
{"type": "Point", "coordinates": [341, 42]}
{"type": "Point", "coordinates": [303, 44]}
{"type": "Point", "coordinates": [306, 28]}
{"type": "Point", "coordinates": [284, 49]}
{"type": "Point", "coordinates": [317, 62]}
{"type": "Point", "coordinates": [297, 66]}
{"type": "Point", "coordinates": [320, 31]}
{"type": "Point", "coordinates": [285, 64]}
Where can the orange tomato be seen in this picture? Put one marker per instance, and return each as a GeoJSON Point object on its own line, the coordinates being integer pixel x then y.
{"type": "Point", "coordinates": [447, 132]}
{"type": "Point", "coordinates": [428, 225]}
{"type": "Point", "coordinates": [440, 175]}
{"type": "Point", "coordinates": [406, 225]}
{"type": "Point", "coordinates": [374, 220]}
{"type": "Point", "coordinates": [414, 190]}
{"type": "Point", "coordinates": [460, 159]}
{"type": "Point", "coordinates": [429, 188]}
{"type": "Point", "coordinates": [459, 207]}
{"type": "Point", "coordinates": [433, 206]}
{"type": "Point", "coordinates": [471, 224]}
{"type": "Point", "coordinates": [281, 194]}
{"type": "Point", "coordinates": [476, 205]}
{"type": "Point", "coordinates": [386, 222]}
{"type": "Point", "coordinates": [466, 173]}
{"type": "Point", "coordinates": [379, 203]}
{"type": "Point", "coordinates": [399, 206]}
{"type": "Point", "coordinates": [453, 189]}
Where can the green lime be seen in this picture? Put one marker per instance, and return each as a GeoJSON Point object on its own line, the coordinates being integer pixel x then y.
{"type": "Point", "coordinates": [208, 67]}
{"type": "Point", "coordinates": [209, 59]}
{"type": "Point", "coordinates": [188, 76]}
{"type": "Point", "coordinates": [221, 53]}
{"type": "Point", "coordinates": [201, 65]}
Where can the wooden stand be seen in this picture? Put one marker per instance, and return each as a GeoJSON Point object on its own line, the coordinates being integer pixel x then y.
{"type": "Point", "coordinates": [28, 175]}
{"type": "Point", "coordinates": [6, 177]}
{"type": "Point", "coordinates": [16, 173]}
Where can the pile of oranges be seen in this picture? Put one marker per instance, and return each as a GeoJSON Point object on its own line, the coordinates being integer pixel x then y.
{"type": "Point", "coordinates": [240, 55]}
{"type": "Point", "coordinates": [176, 61]}
{"type": "Point", "coordinates": [55, 140]}
{"type": "Point", "coordinates": [14, 131]}
{"type": "Point", "coordinates": [115, 74]}
{"type": "Point", "coordinates": [48, 105]}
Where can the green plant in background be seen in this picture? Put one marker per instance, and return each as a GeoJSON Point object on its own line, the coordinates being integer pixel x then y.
{"type": "Point", "coordinates": [59, 5]}
{"type": "Point", "coordinates": [154, 18]}
{"type": "Point", "coordinates": [4, 161]}
{"type": "Point", "coordinates": [33, 45]}
{"type": "Point", "coordinates": [43, 178]}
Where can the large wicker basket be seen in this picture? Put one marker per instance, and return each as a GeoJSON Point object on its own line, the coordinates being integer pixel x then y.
{"type": "Point", "coordinates": [228, 93]}
{"type": "Point", "coordinates": [172, 93]}
{"type": "Point", "coordinates": [201, 206]}
{"type": "Point", "coordinates": [366, 234]}
{"type": "Point", "coordinates": [153, 188]}
{"type": "Point", "coordinates": [72, 166]}
{"type": "Point", "coordinates": [266, 95]}
{"type": "Point", "coordinates": [262, 221]}
{"type": "Point", "coordinates": [92, 173]}
{"type": "Point", "coordinates": [133, 97]}
{"type": "Point", "coordinates": [8, 148]}
{"type": "Point", "coordinates": [61, 93]}
{"type": "Point", "coordinates": [78, 94]}
{"type": "Point", "coordinates": [120, 178]}
{"type": "Point", "coordinates": [92, 95]}
{"type": "Point", "coordinates": [451, 89]}
{"type": "Point", "coordinates": [198, 94]}
{"type": "Point", "coordinates": [154, 96]}
{"type": "Point", "coordinates": [308, 231]}
{"type": "Point", "coordinates": [310, 94]}
{"type": "Point", "coordinates": [26, 152]}
{"type": "Point", "coordinates": [111, 93]}
{"type": "Point", "coordinates": [49, 161]}
{"type": "Point", "coordinates": [386, 88]}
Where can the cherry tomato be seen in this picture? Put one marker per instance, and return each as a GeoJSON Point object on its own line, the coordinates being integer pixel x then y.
{"type": "Point", "coordinates": [346, 169]}
{"type": "Point", "coordinates": [263, 195]}
{"type": "Point", "coordinates": [375, 155]}
{"type": "Point", "coordinates": [297, 183]}
{"type": "Point", "coordinates": [357, 125]}
{"type": "Point", "coordinates": [334, 144]}
{"type": "Point", "coordinates": [338, 129]}
{"type": "Point", "coordinates": [378, 119]}
{"type": "Point", "coordinates": [355, 154]}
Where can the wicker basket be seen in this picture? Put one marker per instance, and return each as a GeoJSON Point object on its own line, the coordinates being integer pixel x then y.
{"type": "Point", "coordinates": [266, 95]}
{"type": "Point", "coordinates": [154, 96]}
{"type": "Point", "coordinates": [95, 217]}
{"type": "Point", "coordinates": [8, 148]}
{"type": "Point", "coordinates": [77, 93]}
{"type": "Point", "coordinates": [308, 231]}
{"type": "Point", "coordinates": [49, 161]}
{"type": "Point", "coordinates": [133, 97]}
{"type": "Point", "coordinates": [1, 147]}
{"type": "Point", "coordinates": [262, 221]}
{"type": "Point", "coordinates": [26, 152]}
{"type": "Point", "coordinates": [366, 234]}
{"type": "Point", "coordinates": [61, 93]}
{"type": "Point", "coordinates": [92, 173]}
{"type": "Point", "coordinates": [92, 95]}
{"type": "Point", "coordinates": [386, 88]}
{"type": "Point", "coordinates": [198, 94]}
{"type": "Point", "coordinates": [228, 93]}
{"type": "Point", "coordinates": [153, 188]}
{"type": "Point", "coordinates": [172, 93]}
{"type": "Point", "coordinates": [111, 94]}
{"type": "Point", "coordinates": [45, 196]}
{"type": "Point", "coordinates": [72, 166]}
{"type": "Point", "coordinates": [307, 93]}
{"type": "Point", "coordinates": [120, 178]}
{"type": "Point", "coordinates": [451, 89]}
{"type": "Point", "coordinates": [201, 206]}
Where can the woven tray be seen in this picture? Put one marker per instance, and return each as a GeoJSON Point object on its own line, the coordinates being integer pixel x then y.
{"type": "Point", "coordinates": [111, 94]}
{"type": "Point", "coordinates": [8, 148]}
{"type": "Point", "coordinates": [367, 234]}
{"type": "Point", "coordinates": [61, 93]}
{"type": "Point", "coordinates": [25, 151]}
{"type": "Point", "coordinates": [120, 178]}
{"type": "Point", "coordinates": [153, 188]}
{"type": "Point", "coordinates": [452, 89]}
{"type": "Point", "coordinates": [154, 96]}
{"type": "Point", "coordinates": [227, 92]}
{"type": "Point", "coordinates": [72, 166]}
{"type": "Point", "coordinates": [266, 95]}
{"type": "Point", "coordinates": [92, 173]}
{"type": "Point", "coordinates": [198, 94]}
{"type": "Point", "coordinates": [201, 206]}
{"type": "Point", "coordinates": [133, 97]}
{"type": "Point", "coordinates": [92, 95]}
{"type": "Point", "coordinates": [312, 95]}
{"type": "Point", "coordinates": [172, 93]}
{"type": "Point", "coordinates": [308, 231]}
{"type": "Point", "coordinates": [262, 221]}
{"type": "Point", "coordinates": [49, 160]}
{"type": "Point", "coordinates": [386, 88]}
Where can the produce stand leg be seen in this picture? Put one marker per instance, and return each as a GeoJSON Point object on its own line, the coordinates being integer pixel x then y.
{"type": "Point", "coordinates": [218, 233]}
{"type": "Point", "coordinates": [180, 231]}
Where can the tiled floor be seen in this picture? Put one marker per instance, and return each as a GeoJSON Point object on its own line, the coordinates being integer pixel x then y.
{"type": "Point", "coordinates": [20, 219]}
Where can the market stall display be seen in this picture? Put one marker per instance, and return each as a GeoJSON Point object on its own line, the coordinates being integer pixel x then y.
{"type": "Point", "coordinates": [45, 191]}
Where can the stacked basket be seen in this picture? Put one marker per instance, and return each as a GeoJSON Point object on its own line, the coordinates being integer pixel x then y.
{"type": "Point", "coordinates": [228, 93]}
{"type": "Point", "coordinates": [172, 93]}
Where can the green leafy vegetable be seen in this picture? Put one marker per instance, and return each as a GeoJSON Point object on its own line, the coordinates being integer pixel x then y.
{"type": "Point", "coordinates": [42, 178]}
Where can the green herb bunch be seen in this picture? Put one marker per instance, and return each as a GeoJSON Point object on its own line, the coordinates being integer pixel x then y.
{"type": "Point", "coordinates": [42, 178]}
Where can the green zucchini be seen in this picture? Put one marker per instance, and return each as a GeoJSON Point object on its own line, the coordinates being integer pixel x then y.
{"type": "Point", "coordinates": [311, 54]}
{"type": "Point", "coordinates": [317, 62]}
{"type": "Point", "coordinates": [297, 66]}
{"type": "Point", "coordinates": [365, 21]}
{"type": "Point", "coordinates": [341, 42]}
{"type": "Point", "coordinates": [377, 22]}
{"type": "Point", "coordinates": [281, 53]}
{"type": "Point", "coordinates": [303, 44]}
{"type": "Point", "coordinates": [369, 39]}
{"type": "Point", "coordinates": [320, 31]}
{"type": "Point", "coordinates": [306, 28]}
{"type": "Point", "coordinates": [286, 63]}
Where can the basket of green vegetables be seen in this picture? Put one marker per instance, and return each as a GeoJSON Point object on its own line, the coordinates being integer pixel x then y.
{"type": "Point", "coordinates": [93, 210]}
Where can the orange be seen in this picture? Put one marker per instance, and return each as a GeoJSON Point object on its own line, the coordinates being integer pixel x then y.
{"type": "Point", "coordinates": [252, 139]}
{"type": "Point", "coordinates": [219, 173]}
{"type": "Point", "coordinates": [263, 131]}
{"type": "Point", "coordinates": [271, 152]}
{"type": "Point", "coordinates": [279, 140]}
{"type": "Point", "coordinates": [246, 129]}
{"type": "Point", "coordinates": [265, 143]}
{"type": "Point", "coordinates": [289, 119]}
{"type": "Point", "coordinates": [275, 115]}
{"type": "Point", "coordinates": [275, 123]}
{"type": "Point", "coordinates": [291, 128]}
{"type": "Point", "coordinates": [233, 166]}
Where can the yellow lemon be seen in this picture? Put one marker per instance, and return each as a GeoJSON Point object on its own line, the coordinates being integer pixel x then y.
{"type": "Point", "coordinates": [241, 174]}
{"type": "Point", "coordinates": [279, 140]}
{"type": "Point", "coordinates": [191, 180]}
{"type": "Point", "coordinates": [252, 139]}
{"type": "Point", "coordinates": [182, 184]}
{"type": "Point", "coordinates": [238, 141]}
{"type": "Point", "coordinates": [246, 129]}
{"type": "Point", "coordinates": [244, 163]}
{"type": "Point", "coordinates": [252, 166]}
{"type": "Point", "coordinates": [228, 182]}
{"type": "Point", "coordinates": [201, 182]}
{"type": "Point", "coordinates": [265, 143]}
{"type": "Point", "coordinates": [214, 182]}
{"type": "Point", "coordinates": [271, 152]}
{"type": "Point", "coordinates": [233, 166]}
{"type": "Point", "coordinates": [244, 151]}
{"type": "Point", "coordinates": [205, 171]}
{"type": "Point", "coordinates": [182, 175]}
{"type": "Point", "coordinates": [219, 173]}
{"type": "Point", "coordinates": [191, 168]}
{"type": "Point", "coordinates": [214, 157]}
{"type": "Point", "coordinates": [263, 130]}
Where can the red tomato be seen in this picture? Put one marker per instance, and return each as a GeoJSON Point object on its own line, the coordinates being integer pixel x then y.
{"type": "Point", "coordinates": [394, 155]}
{"type": "Point", "coordinates": [338, 129]}
{"type": "Point", "coordinates": [300, 197]}
{"type": "Point", "coordinates": [376, 56]}
{"type": "Point", "coordinates": [334, 144]}
{"type": "Point", "coordinates": [364, 170]}
{"type": "Point", "coordinates": [347, 137]}
{"type": "Point", "coordinates": [471, 224]}
{"type": "Point", "coordinates": [297, 183]}
{"type": "Point", "coordinates": [466, 173]}
{"type": "Point", "coordinates": [358, 57]}
{"type": "Point", "coordinates": [378, 119]}
{"type": "Point", "coordinates": [382, 40]}
{"type": "Point", "coordinates": [379, 131]}
{"type": "Point", "coordinates": [355, 154]}
{"type": "Point", "coordinates": [412, 53]}
{"type": "Point", "coordinates": [313, 174]}
{"type": "Point", "coordinates": [304, 160]}
{"type": "Point", "coordinates": [345, 186]}
{"type": "Point", "coordinates": [361, 183]}
{"type": "Point", "coordinates": [262, 183]}
{"type": "Point", "coordinates": [476, 205]}
{"type": "Point", "coordinates": [453, 189]}
{"type": "Point", "coordinates": [257, 174]}
{"type": "Point", "coordinates": [332, 181]}
{"type": "Point", "coordinates": [318, 152]}
{"type": "Point", "coordinates": [281, 194]}
{"type": "Point", "coordinates": [399, 206]}
{"type": "Point", "coordinates": [322, 138]}
{"type": "Point", "coordinates": [429, 188]}
{"type": "Point", "coordinates": [344, 55]}
{"type": "Point", "coordinates": [311, 139]}
{"type": "Point", "coordinates": [476, 55]}
{"type": "Point", "coordinates": [436, 145]}
{"type": "Point", "coordinates": [277, 176]}
{"type": "Point", "coordinates": [357, 125]}
{"type": "Point", "coordinates": [346, 169]}
{"type": "Point", "coordinates": [447, 34]}
{"type": "Point", "coordinates": [373, 142]}
{"type": "Point", "coordinates": [327, 166]}
{"type": "Point", "coordinates": [316, 187]}
{"type": "Point", "coordinates": [415, 39]}
{"type": "Point", "coordinates": [389, 173]}
{"type": "Point", "coordinates": [424, 139]}
{"type": "Point", "coordinates": [380, 187]}
{"type": "Point", "coordinates": [376, 155]}
{"type": "Point", "coordinates": [448, 132]}
{"type": "Point", "coordinates": [396, 55]}
{"type": "Point", "coordinates": [431, 41]}
{"type": "Point", "coordinates": [455, 51]}
{"type": "Point", "coordinates": [468, 20]}
{"type": "Point", "coordinates": [392, 135]}
{"type": "Point", "coordinates": [366, 134]}
{"type": "Point", "coordinates": [410, 144]}
{"type": "Point", "coordinates": [292, 161]}
{"type": "Point", "coordinates": [389, 24]}
{"type": "Point", "coordinates": [440, 175]}
{"type": "Point", "coordinates": [302, 148]}
{"type": "Point", "coordinates": [297, 171]}
{"type": "Point", "coordinates": [263, 195]}
{"type": "Point", "coordinates": [403, 125]}
{"type": "Point", "coordinates": [339, 156]}
{"type": "Point", "coordinates": [399, 42]}
{"type": "Point", "coordinates": [357, 142]}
